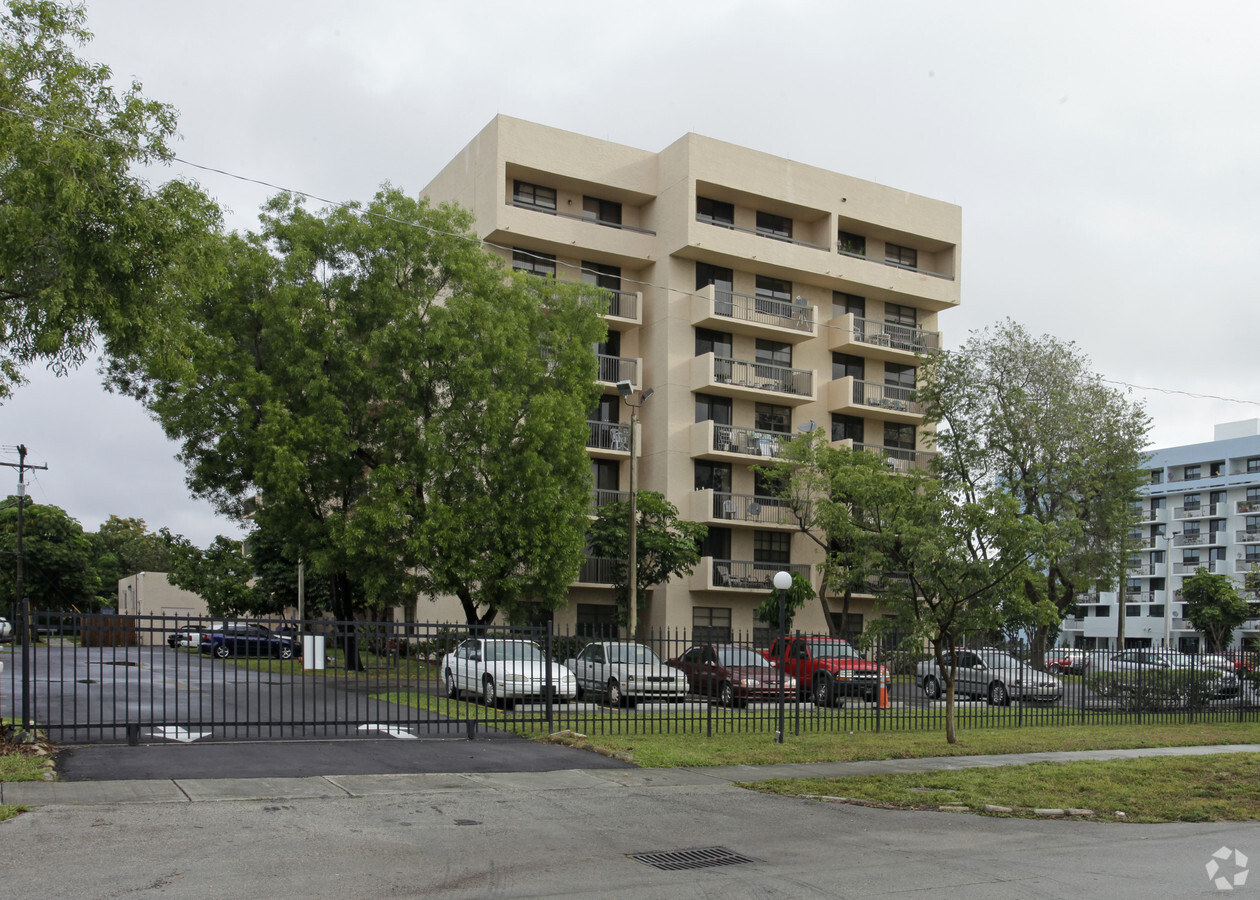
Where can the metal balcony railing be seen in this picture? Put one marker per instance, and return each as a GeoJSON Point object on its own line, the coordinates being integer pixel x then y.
{"type": "Point", "coordinates": [522, 204]}
{"type": "Point", "coordinates": [763, 376]}
{"type": "Point", "coordinates": [759, 232]}
{"type": "Point", "coordinates": [840, 248]}
{"type": "Point", "coordinates": [1247, 536]}
{"type": "Point", "coordinates": [763, 310]}
{"type": "Point", "coordinates": [608, 435]}
{"type": "Point", "coordinates": [602, 497]}
{"type": "Point", "coordinates": [887, 396]}
{"type": "Point", "coordinates": [617, 368]}
{"type": "Point", "coordinates": [747, 575]}
{"type": "Point", "coordinates": [596, 570]}
{"type": "Point", "coordinates": [898, 337]}
{"type": "Point", "coordinates": [750, 441]}
{"type": "Point", "coordinates": [752, 508]}
{"type": "Point", "coordinates": [902, 458]}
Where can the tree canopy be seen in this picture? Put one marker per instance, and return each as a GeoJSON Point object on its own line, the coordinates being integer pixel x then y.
{"type": "Point", "coordinates": [57, 571]}
{"type": "Point", "coordinates": [88, 249]}
{"type": "Point", "coordinates": [1029, 417]}
{"type": "Point", "coordinates": [1214, 606]}
{"type": "Point", "coordinates": [379, 394]}
{"type": "Point", "coordinates": [125, 546]}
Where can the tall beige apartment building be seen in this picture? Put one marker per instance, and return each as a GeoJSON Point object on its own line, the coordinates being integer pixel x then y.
{"type": "Point", "coordinates": [754, 296]}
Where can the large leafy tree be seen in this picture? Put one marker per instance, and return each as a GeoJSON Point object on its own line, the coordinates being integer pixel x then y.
{"type": "Point", "coordinates": [408, 417]}
{"type": "Point", "coordinates": [222, 575]}
{"type": "Point", "coordinates": [125, 546]}
{"type": "Point", "coordinates": [58, 571]}
{"type": "Point", "coordinates": [88, 249]}
{"type": "Point", "coordinates": [1214, 606]}
{"type": "Point", "coordinates": [1029, 417]}
{"type": "Point", "coordinates": [665, 546]}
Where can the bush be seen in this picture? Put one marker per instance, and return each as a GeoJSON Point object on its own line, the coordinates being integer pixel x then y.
{"type": "Point", "coordinates": [1157, 689]}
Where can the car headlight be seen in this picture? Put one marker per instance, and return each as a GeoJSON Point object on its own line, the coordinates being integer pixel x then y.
{"type": "Point", "coordinates": [844, 675]}
{"type": "Point", "coordinates": [751, 682]}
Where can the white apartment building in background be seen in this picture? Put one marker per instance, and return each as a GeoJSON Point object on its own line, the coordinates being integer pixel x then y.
{"type": "Point", "coordinates": [1201, 508]}
{"type": "Point", "coordinates": [755, 296]}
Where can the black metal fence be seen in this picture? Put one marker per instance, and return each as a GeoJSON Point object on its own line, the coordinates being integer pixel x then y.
{"type": "Point", "coordinates": [115, 678]}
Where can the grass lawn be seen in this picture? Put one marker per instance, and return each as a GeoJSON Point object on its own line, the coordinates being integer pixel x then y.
{"type": "Point", "coordinates": [19, 761]}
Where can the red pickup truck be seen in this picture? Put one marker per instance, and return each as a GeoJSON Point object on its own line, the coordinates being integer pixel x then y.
{"type": "Point", "coordinates": [827, 668]}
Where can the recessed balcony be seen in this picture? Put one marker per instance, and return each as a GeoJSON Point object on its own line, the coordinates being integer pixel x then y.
{"type": "Point", "coordinates": [872, 400]}
{"type": "Point", "coordinates": [714, 441]}
{"type": "Point", "coordinates": [1247, 536]}
{"type": "Point", "coordinates": [613, 369]}
{"type": "Point", "coordinates": [740, 575]}
{"type": "Point", "coordinates": [745, 314]}
{"type": "Point", "coordinates": [602, 497]}
{"type": "Point", "coordinates": [596, 571]}
{"type": "Point", "coordinates": [899, 459]}
{"type": "Point", "coordinates": [608, 440]}
{"type": "Point", "coordinates": [719, 375]}
{"type": "Point", "coordinates": [1202, 511]}
{"type": "Point", "coordinates": [720, 507]}
{"type": "Point", "coordinates": [874, 339]}
{"type": "Point", "coordinates": [625, 307]}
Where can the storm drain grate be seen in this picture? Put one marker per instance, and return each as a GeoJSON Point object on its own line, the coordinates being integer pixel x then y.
{"type": "Point", "coordinates": [691, 859]}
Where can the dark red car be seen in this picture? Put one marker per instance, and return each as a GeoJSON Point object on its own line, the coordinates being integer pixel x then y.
{"type": "Point", "coordinates": [731, 674]}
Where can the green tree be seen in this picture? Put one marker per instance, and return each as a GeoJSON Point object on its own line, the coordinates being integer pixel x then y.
{"type": "Point", "coordinates": [1214, 606]}
{"type": "Point", "coordinates": [57, 572]}
{"type": "Point", "coordinates": [665, 547]}
{"type": "Point", "coordinates": [796, 596]}
{"type": "Point", "coordinates": [222, 575]}
{"type": "Point", "coordinates": [123, 547]}
{"type": "Point", "coordinates": [1028, 416]}
{"type": "Point", "coordinates": [409, 416]}
{"type": "Point", "coordinates": [89, 249]}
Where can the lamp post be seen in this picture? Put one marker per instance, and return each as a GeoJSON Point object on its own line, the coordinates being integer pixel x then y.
{"type": "Point", "coordinates": [625, 389]}
{"type": "Point", "coordinates": [782, 581]}
{"type": "Point", "coordinates": [1168, 591]}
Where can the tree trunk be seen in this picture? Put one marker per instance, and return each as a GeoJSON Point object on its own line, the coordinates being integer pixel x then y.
{"type": "Point", "coordinates": [343, 608]}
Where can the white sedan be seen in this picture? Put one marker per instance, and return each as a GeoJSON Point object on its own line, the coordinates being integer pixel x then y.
{"type": "Point", "coordinates": [498, 669]}
{"type": "Point", "coordinates": [6, 630]}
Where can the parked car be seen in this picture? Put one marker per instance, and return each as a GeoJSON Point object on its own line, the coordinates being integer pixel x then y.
{"type": "Point", "coordinates": [731, 674]}
{"type": "Point", "coordinates": [500, 669]}
{"type": "Point", "coordinates": [248, 640]}
{"type": "Point", "coordinates": [1064, 661]}
{"type": "Point", "coordinates": [186, 636]}
{"type": "Point", "coordinates": [624, 672]}
{"type": "Point", "coordinates": [991, 675]}
{"type": "Point", "coordinates": [1244, 660]}
{"type": "Point", "coordinates": [1143, 673]}
{"type": "Point", "coordinates": [827, 668]}
{"type": "Point", "coordinates": [6, 630]}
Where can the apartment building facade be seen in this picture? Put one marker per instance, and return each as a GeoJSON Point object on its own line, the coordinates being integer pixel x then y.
{"type": "Point", "coordinates": [1200, 509]}
{"type": "Point", "coordinates": [755, 297]}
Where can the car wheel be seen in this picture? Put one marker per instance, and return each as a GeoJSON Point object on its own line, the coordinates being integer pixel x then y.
{"type": "Point", "coordinates": [222, 651]}
{"type": "Point", "coordinates": [726, 694]}
{"type": "Point", "coordinates": [931, 688]}
{"type": "Point", "coordinates": [613, 692]}
{"type": "Point", "coordinates": [286, 651]}
{"type": "Point", "coordinates": [824, 692]}
{"type": "Point", "coordinates": [451, 691]}
{"type": "Point", "coordinates": [998, 695]}
{"type": "Point", "coordinates": [489, 693]}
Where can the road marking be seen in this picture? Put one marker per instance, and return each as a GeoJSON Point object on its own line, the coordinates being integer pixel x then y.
{"type": "Point", "coordinates": [175, 733]}
{"type": "Point", "coordinates": [391, 730]}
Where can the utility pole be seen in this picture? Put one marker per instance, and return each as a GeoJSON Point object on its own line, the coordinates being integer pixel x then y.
{"type": "Point", "coordinates": [20, 602]}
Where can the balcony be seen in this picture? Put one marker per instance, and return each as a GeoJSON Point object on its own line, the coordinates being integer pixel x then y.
{"type": "Point", "coordinates": [740, 378]}
{"type": "Point", "coordinates": [596, 571]}
{"type": "Point", "coordinates": [900, 459]}
{"type": "Point", "coordinates": [870, 399]}
{"type": "Point", "coordinates": [1197, 540]}
{"type": "Point", "coordinates": [1150, 515]}
{"type": "Point", "coordinates": [610, 440]}
{"type": "Point", "coordinates": [601, 497]}
{"type": "Point", "coordinates": [1195, 512]}
{"type": "Point", "coordinates": [1243, 566]}
{"type": "Point", "coordinates": [725, 508]}
{"type": "Point", "coordinates": [709, 439]}
{"type": "Point", "coordinates": [740, 575]}
{"type": "Point", "coordinates": [1248, 506]}
{"type": "Point", "coordinates": [758, 316]}
{"type": "Point", "coordinates": [586, 217]}
{"type": "Point", "coordinates": [881, 340]}
{"type": "Point", "coordinates": [1247, 536]}
{"type": "Point", "coordinates": [1140, 571]}
{"type": "Point", "coordinates": [618, 368]}
{"type": "Point", "coordinates": [759, 232]}
{"type": "Point", "coordinates": [625, 306]}
{"type": "Point", "coordinates": [845, 249]}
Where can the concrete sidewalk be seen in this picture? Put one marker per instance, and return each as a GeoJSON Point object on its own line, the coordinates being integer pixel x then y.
{"type": "Point", "coordinates": [197, 790]}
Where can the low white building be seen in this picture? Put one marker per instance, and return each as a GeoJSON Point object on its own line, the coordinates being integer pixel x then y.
{"type": "Point", "coordinates": [1200, 508]}
{"type": "Point", "coordinates": [152, 594]}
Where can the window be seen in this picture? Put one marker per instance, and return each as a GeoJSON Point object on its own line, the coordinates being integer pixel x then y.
{"type": "Point", "coordinates": [770, 225]}
{"type": "Point", "coordinates": [717, 543]}
{"type": "Point", "coordinates": [900, 315]}
{"type": "Point", "coordinates": [1157, 584]}
{"type": "Point", "coordinates": [605, 212]}
{"type": "Point", "coordinates": [847, 242]}
{"type": "Point", "coordinates": [713, 409]}
{"type": "Point", "coordinates": [534, 195]}
{"type": "Point", "coordinates": [1191, 529]}
{"type": "Point", "coordinates": [609, 346]}
{"type": "Point", "coordinates": [768, 484]}
{"type": "Point", "coordinates": [1192, 473]}
{"type": "Point", "coordinates": [770, 417]}
{"type": "Point", "coordinates": [1215, 469]}
{"type": "Point", "coordinates": [844, 365]}
{"type": "Point", "coordinates": [715, 212]}
{"type": "Point", "coordinates": [898, 375]}
{"type": "Point", "coordinates": [1251, 552]}
{"type": "Point", "coordinates": [1157, 558]}
{"type": "Point", "coordinates": [896, 255]}
{"type": "Point", "coordinates": [1155, 610]}
{"type": "Point", "coordinates": [1251, 524]}
{"type": "Point", "coordinates": [723, 281]}
{"type": "Point", "coordinates": [1216, 497]}
{"type": "Point", "coordinates": [772, 547]}
{"type": "Point", "coordinates": [1157, 503]}
{"type": "Point", "coordinates": [842, 303]}
{"type": "Point", "coordinates": [606, 474]}
{"type": "Point", "coordinates": [711, 624]}
{"type": "Point", "coordinates": [899, 436]}
{"type": "Point", "coordinates": [1157, 476]}
{"type": "Point", "coordinates": [1190, 557]}
{"type": "Point", "coordinates": [770, 293]}
{"type": "Point", "coordinates": [1253, 465]}
{"type": "Point", "coordinates": [1192, 501]}
{"type": "Point", "coordinates": [1253, 494]}
{"type": "Point", "coordinates": [713, 476]}
{"type": "Point", "coordinates": [716, 342]}
{"type": "Point", "coordinates": [1102, 611]}
{"type": "Point", "coordinates": [600, 275]}
{"type": "Point", "coordinates": [1132, 586]}
{"type": "Point", "coordinates": [1216, 526]}
{"type": "Point", "coordinates": [846, 428]}
{"type": "Point", "coordinates": [543, 264]}
{"type": "Point", "coordinates": [773, 353]}
{"type": "Point", "coordinates": [608, 409]}
{"type": "Point", "coordinates": [1131, 610]}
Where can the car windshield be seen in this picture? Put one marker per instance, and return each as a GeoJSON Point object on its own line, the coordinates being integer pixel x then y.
{"type": "Point", "coordinates": [1000, 661]}
{"type": "Point", "coordinates": [833, 650]}
{"type": "Point", "coordinates": [739, 656]}
{"type": "Point", "coordinates": [632, 653]}
{"type": "Point", "coordinates": [513, 651]}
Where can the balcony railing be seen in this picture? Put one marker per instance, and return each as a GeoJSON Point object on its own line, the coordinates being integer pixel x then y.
{"type": "Point", "coordinates": [522, 204]}
{"type": "Point", "coordinates": [1243, 566]}
{"type": "Point", "coordinates": [1248, 506]}
{"type": "Point", "coordinates": [1192, 540]}
{"type": "Point", "coordinates": [602, 497]}
{"type": "Point", "coordinates": [623, 304]}
{"type": "Point", "coordinates": [763, 376]}
{"type": "Point", "coordinates": [898, 337]}
{"type": "Point", "coordinates": [596, 570]}
{"type": "Point", "coordinates": [763, 310]}
{"type": "Point", "coordinates": [730, 226]}
{"type": "Point", "coordinates": [1201, 511]}
{"type": "Point", "coordinates": [751, 508]}
{"type": "Point", "coordinates": [608, 435]}
{"type": "Point", "coordinates": [617, 368]}
{"type": "Point", "coordinates": [750, 441]}
{"type": "Point", "coordinates": [753, 576]}
{"type": "Point", "coordinates": [1247, 536]}
{"type": "Point", "coordinates": [889, 262]}
{"type": "Point", "coordinates": [1140, 571]}
{"type": "Point", "coordinates": [887, 396]}
{"type": "Point", "coordinates": [902, 459]}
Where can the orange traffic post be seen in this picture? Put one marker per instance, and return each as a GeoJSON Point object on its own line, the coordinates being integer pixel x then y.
{"type": "Point", "coordinates": [883, 688]}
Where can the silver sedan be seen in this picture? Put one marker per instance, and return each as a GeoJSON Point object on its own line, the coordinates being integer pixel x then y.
{"type": "Point", "coordinates": [991, 675]}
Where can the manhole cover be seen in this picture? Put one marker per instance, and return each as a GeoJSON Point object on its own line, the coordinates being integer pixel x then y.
{"type": "Point", "coordinates": [691, 859]}
{"type": "Point", "coordinates": [121, 662]}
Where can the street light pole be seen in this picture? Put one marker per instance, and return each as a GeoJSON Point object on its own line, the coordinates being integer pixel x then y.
{"type": "Point", "coordinates": [626, 390]}
{"type": "Point", "coordinates": [782, 581]}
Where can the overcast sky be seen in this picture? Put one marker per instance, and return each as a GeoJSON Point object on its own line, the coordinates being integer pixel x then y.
{"type": "Point", "coordinates": [1105, 156]}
